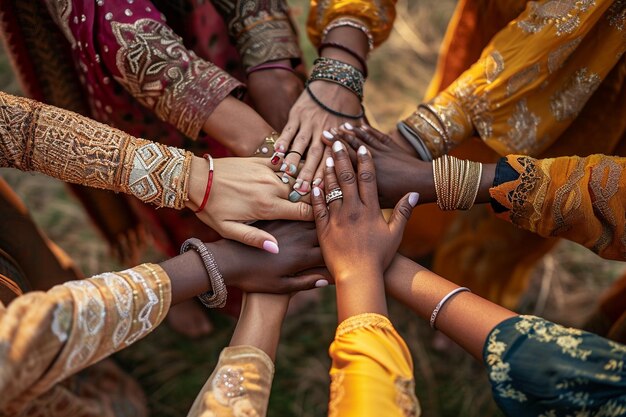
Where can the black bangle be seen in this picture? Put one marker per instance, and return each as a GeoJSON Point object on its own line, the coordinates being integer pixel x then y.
{"type": "Point", "coordinates": [344, 48]}
{"type": "Point", "coordinates": [331, 111]}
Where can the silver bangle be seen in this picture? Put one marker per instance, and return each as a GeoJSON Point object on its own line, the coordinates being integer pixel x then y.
{"type": "Point", "coordinates": [216, 298]}
{"type": "Point", "coordinates": [444, 300]}
{"type": "Point", "coordinates": [353, 23]}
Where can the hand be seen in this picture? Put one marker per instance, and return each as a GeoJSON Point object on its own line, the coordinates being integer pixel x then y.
{"type": "Point", "coordinates": [293, 269]}
{"type": "Point", "coordinates": [243, 190]}
{"type": "Point", "coordinates": [307, 121]}
{"type": "Point", "coordinates": [273, 92]}
{"type": "Point", "coordinates": [398, 172]}
{"type": "Point", "coordinates": [355, 238]}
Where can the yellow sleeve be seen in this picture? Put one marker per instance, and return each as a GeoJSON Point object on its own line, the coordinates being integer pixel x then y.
{"type": "Point", "coordinates": [47, 336]}
{"type": "Point", "coordinates": [75, 149]}
{"type": "Point", "coordinates": [372, 370]}
{"type": "Point", "coordinates": [239, 386]}
{"type": "Point", "coordinates": [580, 199]}
{"type": "Point", "coordinates": [377, 16]}
{"type": "Point", "coordinates": [530, 83]}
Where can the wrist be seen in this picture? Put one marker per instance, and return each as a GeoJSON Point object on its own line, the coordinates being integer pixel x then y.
{"type": "Point", "coordinates": [227, 261]}
{"type": "Point", "coordinates": [421, 179]}
{"type": "Point", "coordinates": [359, 274]}
{"type": "Point", "coordinates": [198, 177]}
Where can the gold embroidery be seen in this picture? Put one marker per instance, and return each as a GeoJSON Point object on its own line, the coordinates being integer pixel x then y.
{"type": "Point", "coordinates": [563, 14]}
{"type": "Point", "coordinates": [567, 199]}
{"type": "Point", "coordinates": [540, 195]}
{"type": "Point", "coordinates": [616, 15]}
{"type": "Point", "coordinates": [164, 76]}
{"type": "Point", "coordinates": [499, 369]}
{"type": "Point", "coordinates": [494, 65]}
{"type": "Point", "coordinates": [406, 398]}
{"type": "Point", "coordinates": [476, 105]}
{"type": "Point", "coordinates": [528, 179]}
{"type": "Point", "coordinates": [522, 137]}
{"type": "Point", "coordinates": [604, 184]}
{"type": "Point", "coordinates": [569, 101]}
{"type": "Point", "coordinates": [365, 320]}
{"type": "Point", "coordinates": [337, 392]}
{"type": "Point", "coordinates": [557, 58]}
{"type": "Point", "coordinates": [545, 332]}
{"type": "Point", "coordinates": [60, 10]}
{"type": "Point", "coordinates": [522, 79]}
{"type": "Point", "coordinates": [72, 148]}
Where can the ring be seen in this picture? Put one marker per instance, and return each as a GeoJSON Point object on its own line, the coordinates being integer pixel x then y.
{"type": "Point", "coordinates": [334, 194]}
{"type": "Point", "coordinates": [288, 152]}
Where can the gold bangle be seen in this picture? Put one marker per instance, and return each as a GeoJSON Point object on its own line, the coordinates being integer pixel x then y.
{"type": "Point", "coordinates": [456, 182]}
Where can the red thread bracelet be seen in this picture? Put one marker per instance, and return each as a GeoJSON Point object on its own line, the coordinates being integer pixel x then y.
{"type": "Point", "coordinates": [208, 184]}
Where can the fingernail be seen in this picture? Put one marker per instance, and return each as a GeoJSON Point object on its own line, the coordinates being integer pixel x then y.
{"type": "Point", "coordinates": [364, 127]}
{"type": "Point", "coordinates": [297, 184]}
{"type": "Point", "coordinates": [294, 196]}
{"type": "Point", "coordinates": [285, 178]}
{"type": "Point", "coordinates": [330, 161]}
{"type": "Point", "coordinates": [362, 150]}
{"type": "Point", "coordinates": [316, 191]}
{"type": "Point", "coordinates": [316, 182]}
{"type": "Point", "coordinates": [328, 135]}
{"type": "Point", "coordinates": [304, 188]}
{"type": "Point", "coordinates": [270, 246]}
{"type": "Point", "coordinates": [293, 169]}
{"type": "Point", "coordinates": [281, 148]}
{"type": "Point", "coordinates": [276, 158]}
{"type": "Point", "coordinates": [321, 283]}
{"type": "Point", "coordinates": [348, 126]}
{"type": "Point", "coordinates": [413, 199]}
{"type": "Point", "coordinates": [338, 146]}
{"type": "Point", "coordinates": [283, 167]}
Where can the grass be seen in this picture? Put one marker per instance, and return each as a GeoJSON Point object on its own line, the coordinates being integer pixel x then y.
{"type": "Point", "coordinates": [448, 382]}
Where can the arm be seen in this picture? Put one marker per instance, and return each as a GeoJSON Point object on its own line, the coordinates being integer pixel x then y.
{"type": "Point", "coordinates": [75, 149]}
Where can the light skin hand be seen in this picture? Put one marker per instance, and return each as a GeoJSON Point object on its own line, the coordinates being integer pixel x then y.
{"type": "Point", "coordinates": [243, 190]}
{"type": "Point", "coordinates": [354, 228]}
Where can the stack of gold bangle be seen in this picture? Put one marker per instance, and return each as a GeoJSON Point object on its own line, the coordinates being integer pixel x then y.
{"type": "Point", "coordinates": [456, 182]}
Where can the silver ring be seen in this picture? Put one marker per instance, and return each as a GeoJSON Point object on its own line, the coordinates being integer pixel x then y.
{"type": "Point", "coordinates": [334, 194]}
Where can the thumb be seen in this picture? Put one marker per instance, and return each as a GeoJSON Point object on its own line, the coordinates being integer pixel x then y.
{"type": "Point", "coordinates": [249, 235]}
{"type": "Point", "coordinates": [402, 212]}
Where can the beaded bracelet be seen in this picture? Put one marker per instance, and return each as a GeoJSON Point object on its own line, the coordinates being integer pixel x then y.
{"type": "Point", "coordinates": [346, 75]}
{"type": "Point", "coordinates": [346, 49]}
{"type": "Point", "coordinates": [209, 183]}
{"type": "Point", "coordinates": [216, 298]}
{"type": "Point", "coordinates": [332, 111]}
{"type": "Point", "coordinates": [353, 23]}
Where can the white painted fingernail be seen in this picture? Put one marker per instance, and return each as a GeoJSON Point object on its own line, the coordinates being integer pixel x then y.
{"type": "Point", "coordinates": [327, 135]}
{"type": "Point", "coordinates": [283, 167]}
{"type": "Point", "coordinates": [338, 146]}
{"type": "Point", "coordinates": [413, 199]}
{"type": "Point", "coordinates": [316, 191]}
{"type": "Point", "coordinates": [348, 126]}
{"type": "Point", "coordinates": [316, 182]}
{"type": "Point", "coordinates": [330, 162]}
{"type": "Point", "coordinates": [362, 150]}
{"type": "Point", "coordinates": [270, 246]}
{"type": "Point", "coordinates": [321, 283]}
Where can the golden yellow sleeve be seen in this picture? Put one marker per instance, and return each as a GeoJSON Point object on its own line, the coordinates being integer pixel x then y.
{"type": "Point", "coordinates": [372, 370]}
{"type": "Point", "coordinates": [239, 386]}
{"type": "Point", "coordinates": [531, 81]}
{"type": "Point", "coordinates": [376, 15]}
{"type": "Point", "coordinates": [76, 149]}
{"type": "Point", "coordinates": [580, 199]}
{"type": "Point", "coordinates": [47, 336]}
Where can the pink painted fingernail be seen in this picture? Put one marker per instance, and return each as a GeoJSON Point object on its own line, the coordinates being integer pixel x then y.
{"type": "Point", "coordinates": [304, 188]}
{"type": "Point", "coordinates": [413, 199]}
{"type": "Point", "coordinates": [321, 283]}
{"type": "Point", "coordinates": [316, 191]}
{"type": "Point", "coordinates": [328, 135]}
{"type": "Point", "coordinates": [316, 182]}
{"type": "Point", "coordinates": [270, 246]}
{"type": "Point", "coordinates": [281, 148]}
{"type": "Point", "coordinates": [330, 162]}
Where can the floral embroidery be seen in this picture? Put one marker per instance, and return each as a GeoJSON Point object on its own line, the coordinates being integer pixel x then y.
{"type": "Point", "coordinates": [616, 15]}
{"type": "Point", "coordinates": [228, 384]}
{"type": "Point", "coordinates": [567, 199]}
{"type": "Point", "coordinates": [563, 14]}
{"type": "Point", "coordinates": [494, 65]}
{"type": "Point", "coordinates": [546, 332]}
{"type": "Point", "coordinates": [522, 79]}
{"type": "Point", "coordinates": [569, 101]}
{"type": "Point", "coordinates": [499, 370]}
{"type": "Point", "coordinates": [604, 183]}
{"type": "Point", "coordinates": [337, 392]}
{"type": "Point", "coordinates": [557, 58]}
{"type": "Point", "coordinates": [61, 322]}
{"type": "Point", "coordinates": [522, 137]}
{"type": "Point", "coordinates": [476, 105]}
{"type": "Point", "coordinates": [406, 398]}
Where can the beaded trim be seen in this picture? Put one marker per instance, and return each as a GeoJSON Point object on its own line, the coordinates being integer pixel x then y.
{"type": "Point", "coordinates": [353, 23]}
{"type": "Point", "coordinates": [338, 72]}
{"type": "Point", "coordinates": [216, 298]}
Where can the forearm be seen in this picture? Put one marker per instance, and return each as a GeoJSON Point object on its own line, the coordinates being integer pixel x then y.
{"type": "Point", "coordinates": [359, 293]}
{"type": "Point", "coordinates": [466, 318]}
{"type": "Point", "coordinates": [351, 38]}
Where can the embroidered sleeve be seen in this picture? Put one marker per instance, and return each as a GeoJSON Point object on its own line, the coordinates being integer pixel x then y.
{"type": "Point", "coordinates": [239, 386]}
{"type": "Point", "coordinates": [75, 149]}
{"type": "Point", "coordinates": [372, 370]}
{"type": "Point", "coordinates": [377, 15]}
{"type": "Point", "coordinates": [579, 373]}
{"type": "Point", "coordinates": [530, 83]}
{"type": "Point", "coordinates": [262, 30]}
{"type": "Point", "coordinates": [580, 199]}
{"type": "Point", "coordinates": [147, 58]}
{"type": "Point", "coordinates": [46, 337]}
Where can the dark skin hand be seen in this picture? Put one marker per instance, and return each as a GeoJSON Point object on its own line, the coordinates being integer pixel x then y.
{"type": "Point", "coordinates": [273, 92]}
{"type": "Point", "coordinates": [295, 268]}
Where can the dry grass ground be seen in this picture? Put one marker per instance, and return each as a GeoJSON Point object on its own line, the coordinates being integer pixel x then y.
{"type": "Point", "coordinates": [448, 381]}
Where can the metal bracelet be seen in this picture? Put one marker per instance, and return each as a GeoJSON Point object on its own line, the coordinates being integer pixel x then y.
{"type": "Point", "coordinates": [216, 298]}
{"type": "Point", "coordinates": [445, 299]}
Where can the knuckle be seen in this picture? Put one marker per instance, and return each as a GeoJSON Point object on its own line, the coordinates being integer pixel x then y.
{"type": "Point", "coordinates": [346, 177]}
{"type": "Point", "coordinates": [404, 211]}
{"type": "Point", "coordinates": [321, 215]}
{"type": "Point", "coordinates": [301, 139]}
{"type": "Point", "coordinates": [367, 176]}
{"type": "Point", "coordinates": [305, 210]}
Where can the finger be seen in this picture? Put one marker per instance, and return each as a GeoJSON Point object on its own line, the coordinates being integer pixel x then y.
{"type": "Point", "coordinates": [296, 151]}
{"type": "Point", "coordinates": [320, 270]}
{"type": "Point", "coordinates": [402, 213]}
{"type": "Point", "coordinates": [320, 211]}
{"type": "Point", "coordinates": [380, 136]}
{"type": "Point", "coordinates": [331, 183]}
{"type": "Point", "coordinates": [313, 158]}
{"type": "Point", "coordinates": [287, 135]}
{"type": "Point", "coordinates": [249, 235]}
{"type": "Point", "coordinates": [287, 210]}
{"type": "Point", "coordinates": [366, 137]}
{"type": "Point", "coordinates": [368, 190]}
{"type": "Point", "coordinates": [346, 176]}
{"type": "Point", "coordinates": [318, 178]}
{"type": "Point", "coordinates": [302, 283]}
{"type": "Point", "coordinates": [349, 138]}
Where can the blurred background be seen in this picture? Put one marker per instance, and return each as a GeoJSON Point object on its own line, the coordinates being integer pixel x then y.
{"type": "Point", "coordinates": [172, 369]}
